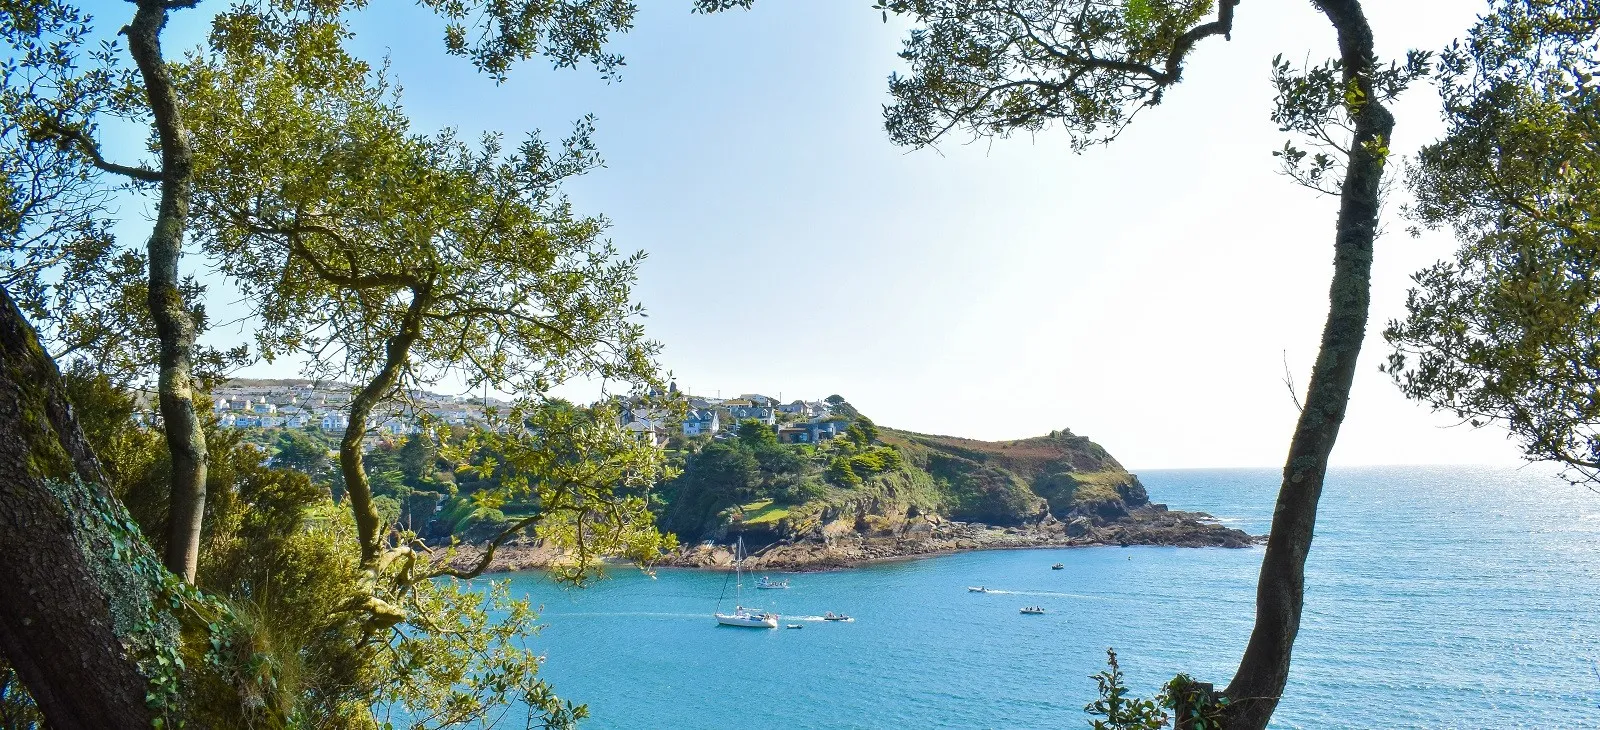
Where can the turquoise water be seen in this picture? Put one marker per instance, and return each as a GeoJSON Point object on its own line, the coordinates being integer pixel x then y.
{"type": "Point", "coordinates": [1442, 597]}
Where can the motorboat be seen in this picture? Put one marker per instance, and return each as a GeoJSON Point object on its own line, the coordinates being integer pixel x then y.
{"type": "Point", "coordinates": [831, 616]}
{"type": "Point", "coordinates": [741, 616]}
{"type": "Point", "coordinates": [977, 589]}
{"type": "Point", "coordinates": [768, 584]}
{"type": "Point", "coordinates": [1058, 566]}
{"type": "Point", "coordinates": [1033, 610]}
{"type": "Point", "coordinates": [795, 626]}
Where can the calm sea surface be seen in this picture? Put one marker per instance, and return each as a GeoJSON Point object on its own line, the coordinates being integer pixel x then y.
{"type": "Point", "coordinates": [1438, 597]}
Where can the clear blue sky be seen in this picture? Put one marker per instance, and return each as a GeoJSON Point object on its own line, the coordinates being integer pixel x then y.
{"type": "Point", "coordinates": [1142, 294]}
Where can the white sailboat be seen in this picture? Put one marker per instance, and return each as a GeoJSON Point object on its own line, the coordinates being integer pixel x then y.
{"type": "Point", "coordinates": [742, 616]}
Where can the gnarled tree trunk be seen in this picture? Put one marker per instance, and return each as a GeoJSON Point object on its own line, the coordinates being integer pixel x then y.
{"type": "Point", "coordinates": [1280, 593]}
{"type": "Point", "coordinates": [72, 611]}
{"type": "Point", "coordinates": [396, 352]}
{"type": "Point", "coordinates": [175, 324]}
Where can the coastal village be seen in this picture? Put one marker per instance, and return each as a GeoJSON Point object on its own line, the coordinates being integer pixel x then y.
{"type": "Point", "coordinates": [797, 422]}
{"type": "Point", "coordinates": [299, 404]}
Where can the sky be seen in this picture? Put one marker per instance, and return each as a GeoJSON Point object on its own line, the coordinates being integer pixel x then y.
{"type": "Point", "coordinates": [1146, 294]}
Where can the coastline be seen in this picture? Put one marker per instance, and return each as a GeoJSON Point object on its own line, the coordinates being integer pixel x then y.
{"type": "Point", "coordinates": [1150, 526]}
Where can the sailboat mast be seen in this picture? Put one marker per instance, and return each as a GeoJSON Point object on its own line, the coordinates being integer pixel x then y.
{"type": "Point", "coordinates": [738, 572]}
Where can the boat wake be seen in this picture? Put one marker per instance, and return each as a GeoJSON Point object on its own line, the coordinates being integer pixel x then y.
{"type": "Point", "coordinates": [1052, 594]}
{"type": "Point", "coordinates": [817, 618]}
{"type": "Point", "coordinates": [610, 614]}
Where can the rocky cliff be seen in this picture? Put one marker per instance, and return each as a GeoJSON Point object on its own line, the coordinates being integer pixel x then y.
{"type": "Point", "coordinates": [951, 494]}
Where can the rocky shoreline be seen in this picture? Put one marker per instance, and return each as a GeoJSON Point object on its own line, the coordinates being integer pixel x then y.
{"type": "Point", "coordinates": [1151, 525]}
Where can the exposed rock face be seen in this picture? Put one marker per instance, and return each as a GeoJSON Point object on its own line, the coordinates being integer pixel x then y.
{"type": "Point", "coordinates": [843, 548]}
{"type": "Point", "coordinates": [839, 545]}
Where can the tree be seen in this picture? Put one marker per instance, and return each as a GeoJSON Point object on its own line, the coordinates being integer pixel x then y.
{"type": "Point", "coordinates": [754, 433]}
{"type": "Point", "coordinates": [417, 456]}
{"type": "Point", "coordinates": [136, 657]}
{"type": "Point", "coordinates": [493, 35]}
{"type": "Point", "coordinates": [862, 432]}
{"type": "Point", "coordinates": [720, 475]}
{"type": "Point", "coordinates": [303, 453]}
{"type": "Point", "coordinates": [77, 650]}
{"type": "Point", "coordinates": [588, 479]}
{"type": "Point", "coordinates": [394, 259]}
{"type": "Point", "coordinates": [996, 67]}
{"type": "Point", "coordinates": [1507, 332]}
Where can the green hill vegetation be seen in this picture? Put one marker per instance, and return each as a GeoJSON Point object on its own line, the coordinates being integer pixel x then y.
{"type": "Point", "coordinates": [755, 487]}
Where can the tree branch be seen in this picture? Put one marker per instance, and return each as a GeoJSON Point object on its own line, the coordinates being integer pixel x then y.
{"type": "Point", "coordinates": [75, 138]}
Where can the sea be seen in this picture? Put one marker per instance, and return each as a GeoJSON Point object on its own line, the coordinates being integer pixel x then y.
{"type": "Point", "coordinates": [1436, 597]}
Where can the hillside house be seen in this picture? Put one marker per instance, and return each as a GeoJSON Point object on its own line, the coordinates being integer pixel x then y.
{"type": "Point", "coordinates": [645, 429]}
{"type": "Point", "coordinates": [704, 421]}
{"type": "Point", "coordinates": [652, 419]}
{"type": "Point", "coordinates": [824, 430]}
{"type": "Point", "coordinates": [759, 413]}
{"type": "Point", "coordinates": [810, 433]}
{"type": "Point", "coordinates": [700, 402]}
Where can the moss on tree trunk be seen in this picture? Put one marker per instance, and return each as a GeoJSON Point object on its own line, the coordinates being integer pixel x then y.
{"type": "Point", "coordinates": [76, 617]}
{"type": "Point", "coordinates": [1280, 593]}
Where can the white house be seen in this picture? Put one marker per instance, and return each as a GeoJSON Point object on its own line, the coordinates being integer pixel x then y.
{"type": "Point", "coordinates": [396, 427]}
{"type": "Point", "coordinates": [334, 421]}
{"type": "Point", "coordinates": [699, 422]}
{"type": "Point", "coordinates": [646, 429]}
{"type": "Point", "coordinates": [264, 409]}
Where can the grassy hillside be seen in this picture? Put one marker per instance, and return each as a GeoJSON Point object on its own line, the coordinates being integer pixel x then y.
{"type": "Point", "coordinates": [877, 480]}
{"type": "Point", "coordinates": [1005, 482]}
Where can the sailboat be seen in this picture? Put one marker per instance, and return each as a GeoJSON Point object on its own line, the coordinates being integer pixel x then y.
{"type": "Point", "coordinates": [742, 616]}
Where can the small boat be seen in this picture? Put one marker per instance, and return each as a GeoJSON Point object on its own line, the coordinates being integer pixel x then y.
{"type": "Point", "coordinates": [977, 589]}
{"type": "Point", "coordinates": [831, 616]}
{"type": "Point", "coordinates": [1033, 610]}
{"type": "Point", "coordinates": [795, 626]}
{"type": "Point", "coordinates": [768, 584]}
{"type": "Point", "coordinates": [742, 616]}
{"type": "Point", "coordinates": [1058, 566]}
